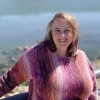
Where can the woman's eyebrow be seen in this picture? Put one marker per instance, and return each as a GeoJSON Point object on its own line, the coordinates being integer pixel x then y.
{"type": "Point", "coordinates": [67, 28]}
{"type": "Point", "coordinates": [64, 29]}
{"type": "Point", "coordinates": [56, 28]}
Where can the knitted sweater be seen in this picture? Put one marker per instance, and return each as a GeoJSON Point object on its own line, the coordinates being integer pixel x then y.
{"type": "Point", "coordinates": [52, 77]}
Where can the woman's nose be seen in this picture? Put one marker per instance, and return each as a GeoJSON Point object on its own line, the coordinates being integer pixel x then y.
{"type": "Point", "coordinates": [62, 34]}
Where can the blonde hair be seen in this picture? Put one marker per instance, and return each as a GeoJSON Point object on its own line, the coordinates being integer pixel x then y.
{"type": "Point", "coordinates": [72, 48]}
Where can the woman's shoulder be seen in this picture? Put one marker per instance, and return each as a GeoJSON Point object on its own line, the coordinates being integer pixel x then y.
{"type": "Point", "coordinates": [82, 57]}
{"type": "Point", "coordinates": [36, 48]}
{"type": "Point", "coordinates": [80, 52]}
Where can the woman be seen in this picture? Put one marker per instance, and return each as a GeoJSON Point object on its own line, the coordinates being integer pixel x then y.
{"type": "Point", "coordinates": [56, 68]}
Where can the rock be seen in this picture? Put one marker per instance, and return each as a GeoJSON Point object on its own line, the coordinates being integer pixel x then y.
{"type": "Point", "coordinates": [6, 65]}
{"type": "Point", "coordinates": [13, 59]}
{"type": "Point", "coordinates": [5, 52]}
{"type": "Point", "coordinates": [99, 57]}
{"type": "Point", "coordinates": [25, 47]}
{"type": "Point", "coordinates": [19, 48]}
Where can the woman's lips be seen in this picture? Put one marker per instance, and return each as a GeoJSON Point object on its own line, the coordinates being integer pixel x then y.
{"type": "Point", "coordinates": [62, 41]}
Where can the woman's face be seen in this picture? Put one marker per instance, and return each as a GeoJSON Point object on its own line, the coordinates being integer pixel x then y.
{"type": "Point", "coordinates": [62, 34]}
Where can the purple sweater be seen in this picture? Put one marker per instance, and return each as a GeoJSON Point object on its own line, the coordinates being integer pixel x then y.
{"type": "Point", "coordinates": [52, 77]}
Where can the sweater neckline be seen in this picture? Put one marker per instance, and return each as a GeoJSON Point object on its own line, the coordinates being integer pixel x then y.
{"type": "Point", "coordinates": [59, 57]}
{"type": "Point", "coordinates": [62, 58]}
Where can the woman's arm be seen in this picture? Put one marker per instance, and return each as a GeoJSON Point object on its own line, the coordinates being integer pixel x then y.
{"type": "Point", "coordinates": [19, 73]}
{"type": "Point", "coordinates": [94, 94]}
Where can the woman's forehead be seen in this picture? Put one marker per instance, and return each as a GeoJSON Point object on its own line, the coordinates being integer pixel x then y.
{"type": "Point", "coordinates": [60, 22]}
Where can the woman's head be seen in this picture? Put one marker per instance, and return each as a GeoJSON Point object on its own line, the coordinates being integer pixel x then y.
{"type": "Point", "coordinates": [63, 33]}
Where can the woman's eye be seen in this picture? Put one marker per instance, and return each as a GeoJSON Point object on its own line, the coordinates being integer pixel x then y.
{"type": "Point", "coordinates": [66, 31]}
{"type": "Point", "coordinates": [57, 31]}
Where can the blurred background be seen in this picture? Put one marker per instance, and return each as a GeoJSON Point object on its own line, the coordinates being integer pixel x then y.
{"type": "Point", "coordinates": [23, 22]}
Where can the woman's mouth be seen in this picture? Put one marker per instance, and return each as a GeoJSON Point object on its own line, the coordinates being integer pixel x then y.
{"type": "Point", "coordinates": [62, 41]}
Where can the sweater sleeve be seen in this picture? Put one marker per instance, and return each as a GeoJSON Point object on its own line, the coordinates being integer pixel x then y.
{"type": "Point", "coordinates": [94, 93]}
{"type": "Point", "coordinates": [18, 73]}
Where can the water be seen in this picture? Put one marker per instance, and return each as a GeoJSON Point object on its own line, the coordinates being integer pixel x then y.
{"type": "Point", "coordinates": [21, 30]}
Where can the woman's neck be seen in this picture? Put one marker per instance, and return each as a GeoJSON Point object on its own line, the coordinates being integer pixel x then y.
{"type": "Point", "coordinates": [61, 53]}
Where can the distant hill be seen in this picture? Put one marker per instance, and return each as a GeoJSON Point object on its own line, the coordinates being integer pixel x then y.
{"type": "Point", "coordinates": [37, 6]}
